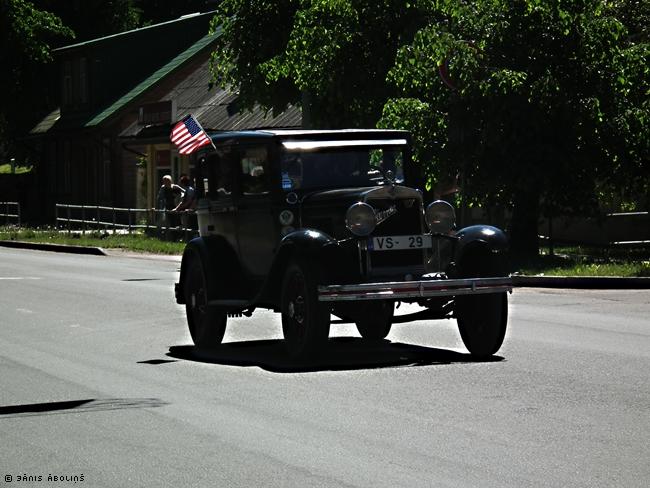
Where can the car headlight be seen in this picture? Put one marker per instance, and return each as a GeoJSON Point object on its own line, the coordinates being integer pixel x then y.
{"type": "Point", "coordinates": [360, 219]}
{"type": "Point", "coordinates": [440, 217]}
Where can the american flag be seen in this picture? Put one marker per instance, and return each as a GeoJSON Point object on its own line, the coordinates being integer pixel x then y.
{"type": "Point", "coordinates": [188, 135]}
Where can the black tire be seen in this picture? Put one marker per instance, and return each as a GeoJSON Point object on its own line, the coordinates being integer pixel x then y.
{"type": "Point", "coordinates": [207, 324]}
{"type": "Point", "coordinates": [482, 322]}
{"type": "Point", "coordinates": [305, 320]}
{"type": "Point", "coordinates": [375, 319]}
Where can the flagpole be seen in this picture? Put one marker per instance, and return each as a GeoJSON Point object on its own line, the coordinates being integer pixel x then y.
{"type": "Point", "coordinates": [201, 127]}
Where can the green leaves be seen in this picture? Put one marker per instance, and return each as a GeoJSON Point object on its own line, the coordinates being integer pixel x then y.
{"type": "Point", "coordinates": [27, 30]}
{"type": "Point", "coordinates": [320, 37]}
{"type": "Point", "coordinates": [25, 37]}
{"type": "Point", "coordinates": [539, 99]}
{"type": "Point", "coordinates": [334, 53]}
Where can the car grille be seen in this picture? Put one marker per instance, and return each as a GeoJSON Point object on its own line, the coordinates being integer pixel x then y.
{"type": "Point", "coordinates": [407, 221]}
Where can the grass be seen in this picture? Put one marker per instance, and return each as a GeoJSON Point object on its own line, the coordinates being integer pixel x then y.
{"type": "Point", "coordinates": [641, 269]}
{"type": "Point", "coordinates": [136, 242]}
{"type": "Point", "coordinates": [590, 262]}
{"type": "Point", "coordinates": [6, 169]}
{"type": "Point", "coordinates": [574, 261]}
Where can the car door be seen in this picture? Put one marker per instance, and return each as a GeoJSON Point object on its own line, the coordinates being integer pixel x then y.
{"type": "Point", "coordinates": [216, 186]}
{"type": "Point", "coordinates": [256, 229]}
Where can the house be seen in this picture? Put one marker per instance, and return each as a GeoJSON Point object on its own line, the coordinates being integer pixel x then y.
{"type": "Point", "coordinates": [107, 143]}
{"type": "Point", "coordinates": [214, 108]}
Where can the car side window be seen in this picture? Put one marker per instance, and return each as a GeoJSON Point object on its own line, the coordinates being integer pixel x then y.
{"type": "Point", "coordinates": [254, 170]}
{"type": "Point", "coordinates": [217, 176]}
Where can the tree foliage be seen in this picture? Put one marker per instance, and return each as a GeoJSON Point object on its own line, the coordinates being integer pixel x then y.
{"type": "Point", "coordinates": [539, 105]}
{"type": "Point", "coordinates": [156, 11]}
{"type": "Point", "coordinates": [29, 30]}
{"type": "Point", "coordinates": [546, 102]}
{"type": "Point", "coordinates": [335, 53]}
{"type": "Point", "coordinates": [91, 19]}
{"type": "Point", "coordinates": [25, 35]}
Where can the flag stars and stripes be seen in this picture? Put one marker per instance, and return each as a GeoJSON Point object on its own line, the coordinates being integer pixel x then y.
{"type": "Point", "coordinates": [188, 135]}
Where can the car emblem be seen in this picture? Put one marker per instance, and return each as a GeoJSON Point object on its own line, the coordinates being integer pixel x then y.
{"type": "Point", "coordinates": [389, 177]}
{"type": "Point", "coordinates": [383, 215]}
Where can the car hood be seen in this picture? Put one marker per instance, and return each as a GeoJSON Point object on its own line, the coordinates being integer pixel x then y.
{"type": "Point", "coordinates": [348, 196]}
{"type": "Point", "coordinates": [325, 210]}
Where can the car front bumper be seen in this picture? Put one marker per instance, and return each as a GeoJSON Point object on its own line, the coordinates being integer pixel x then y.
{"type": "Point", "coordinates": [413, 290]}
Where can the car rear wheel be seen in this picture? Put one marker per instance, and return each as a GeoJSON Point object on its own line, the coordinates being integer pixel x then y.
{"type": "Point", "coordinates": [207, 324]}
{"type": "Point", "coordinates": [305, 320]}
{"type": "Point", "coordinates": [482, 321]}
{"type": "Point", "coordinates": [375, 319]}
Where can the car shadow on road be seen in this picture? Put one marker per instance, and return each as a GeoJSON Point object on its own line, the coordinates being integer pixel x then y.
{"type": "Point", "coordinates": [341, 354]}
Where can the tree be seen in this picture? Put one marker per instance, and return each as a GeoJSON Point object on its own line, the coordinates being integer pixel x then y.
{"type": "Point", "coordinates": [26, 34]}
{"type": "Point", "coordinates": [91, 19]}
{"type": "Point", "coordinates": [156, 11]}
{"type": "Point", "coordinates": [543, 105]}
{"type": "Point", "coordinates": [333, 53]}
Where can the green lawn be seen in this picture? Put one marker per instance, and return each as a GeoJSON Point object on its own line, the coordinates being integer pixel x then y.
{"type": "Point", "coordinates": [136, 242]}
{"type": "Point", "coordinates": [580, 261]}
{"type": "Point", "coordinates": [640, 269]}
{"type": "Point", "coordinates": [6, 169]}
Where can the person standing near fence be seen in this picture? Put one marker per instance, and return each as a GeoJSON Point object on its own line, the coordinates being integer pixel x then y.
{"type": "Point", "coordinates": [188, 202]}
{"type": "Point", "coordinates": [166, 199]}
{"type": "Point", "coordinates": [167, 194]}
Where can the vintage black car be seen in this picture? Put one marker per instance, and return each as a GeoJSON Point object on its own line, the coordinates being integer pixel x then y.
{"type": "Point", "coordinates": [314, 223]}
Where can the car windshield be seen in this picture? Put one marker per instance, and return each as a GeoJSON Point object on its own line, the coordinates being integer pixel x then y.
{"type": "Point", "coordinates": [341, 167]}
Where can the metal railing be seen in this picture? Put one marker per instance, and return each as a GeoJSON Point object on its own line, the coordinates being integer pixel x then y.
{"type": "Point", "coordinates": [614, 230]}
{"type": "Point", "coordinates": [11, 215]}
{"type": "Point", "coordinates": [96, 217]}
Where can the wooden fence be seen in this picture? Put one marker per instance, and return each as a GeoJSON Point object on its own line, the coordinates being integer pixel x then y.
{"type": "Point", "coordinates": [95, 217]}
{"type": "Point", "coordinates": [11, 213]}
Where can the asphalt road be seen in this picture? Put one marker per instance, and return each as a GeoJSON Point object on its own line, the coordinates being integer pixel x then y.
{"type": "Point", "coordinates": [99, 378]}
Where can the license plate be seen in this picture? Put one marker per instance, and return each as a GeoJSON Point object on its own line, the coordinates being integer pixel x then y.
{"type": "Point", "coordinates": [393, 243]}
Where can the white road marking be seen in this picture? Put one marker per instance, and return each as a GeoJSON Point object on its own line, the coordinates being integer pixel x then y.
{"type": "Point", "coordinates": [19, 278]}
{"type": "Point", "coordinates": [79, 326]}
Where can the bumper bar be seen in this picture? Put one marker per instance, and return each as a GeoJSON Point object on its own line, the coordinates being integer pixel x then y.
{"type": "Point", "coordinates": [402, 290]}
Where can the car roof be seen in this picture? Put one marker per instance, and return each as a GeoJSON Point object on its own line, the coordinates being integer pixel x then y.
{"type": "Point", "coordinates": [305, 134]}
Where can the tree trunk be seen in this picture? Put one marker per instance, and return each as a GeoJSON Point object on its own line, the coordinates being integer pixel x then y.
{"type": "Point", "coordinates": [524, 237]}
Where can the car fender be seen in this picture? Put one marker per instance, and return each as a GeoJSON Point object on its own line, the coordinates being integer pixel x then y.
{"type": "Point", "coordinates": [481, 250]}
{"type": "Point", "coordinates": [220, 266]}
{"type": "Point", "coordinates": [309, 244]}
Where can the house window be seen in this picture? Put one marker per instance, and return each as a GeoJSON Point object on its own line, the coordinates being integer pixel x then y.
{"type": "Point", "coordinates": [67, 163]}
{"type": "Point", "coordinates": [52, 168]}
{"type": "Point", "coordinates": [83, 81]}
{"type": "Point", "coordinates": [106, 167]}
{"type": "Point", "coordinates": [67, 84]}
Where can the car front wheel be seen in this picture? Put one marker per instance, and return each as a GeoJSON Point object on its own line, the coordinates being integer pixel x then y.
{"type": "Point", "coordinates": [482, 321]}
{"type": "Point", "coordinates": [207, 324]}
{"type": "Point", "coordinates": [375, 319]}
{"type": "Point", "coordinates": [305, 320]}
